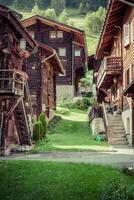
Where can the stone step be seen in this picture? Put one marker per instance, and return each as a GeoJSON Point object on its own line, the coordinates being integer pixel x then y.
{"type": "Point", "coordinates": [116, 136]}
{"type": "Point", "coordinates": [119, 132]}
{"type": "Point", "coordinates": [118, 142]}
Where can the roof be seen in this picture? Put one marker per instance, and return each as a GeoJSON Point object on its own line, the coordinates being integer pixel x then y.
{"type": "Point", "coordinates": [111, 24]}
{"type": "Point", "coordinates": [52, 57]}
{"type": "Point", "coordinates": [79, 35]}
{"type": "Point", "coordinates": [11, 17]}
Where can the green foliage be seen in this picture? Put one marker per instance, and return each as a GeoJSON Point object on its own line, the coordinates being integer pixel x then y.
{"type": "Point", "coordinates": [36, 10]}
{"type": "Point", "coordinates": [87, 80]}
{"type": "Point", "coordinates": [38, 131]}
{"type": "Point", "coordinates": [64, 17]}
{"type": "Point", "coordinates": [66, 103]}
{"type": "Point", "coordinates": [94, 21]}
{"type": "Point", "coordinates": [81, 9]}
{"type": "Point", "coordinates": [43, 120]}
{"type": "Point", "coordinates": [6, 3]}
{"type": "Point", "coordinates": [84, 103]}
{"type": "Point", "coordinates": [63, 111]}
{"type": "Point", "coordinates": [58, 6]}
{"type": "Point", "coordinates": [43, 3]}
{"type": "Point", "coordinates": [50, 13]}
{"type": "Point", "coordinates": [40, 127]}
{"type": "Point", "coordinates": [25, 4]}
{"type": "Point", "coordinates": [115, 190]}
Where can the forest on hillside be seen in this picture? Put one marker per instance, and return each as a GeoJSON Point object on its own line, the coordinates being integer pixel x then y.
{"type": "Point", "coordinates": [87, 15]}
{"type": "Point", "coordinates": [92, 5]}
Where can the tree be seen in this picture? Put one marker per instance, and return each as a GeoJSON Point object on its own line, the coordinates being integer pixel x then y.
{"type": "Point", "coordinates": [81, 9]}
{"type": "Point", "coordinates": [58, 6]}
{"type": "Point", "coordinates": [6, 3]}
{"type": "Point", "coordinates": [25, 4]}
{"type": "Point", "coordinates": [36, 10]}
{"type": "Point", "coordinates": [64, 17]}
{"type": "Point", "coordinates": [43, 3]}
{"type": "Point", "coordinates": [87, 7]}
{"type": "Point", "coordinates": [95, 20]}
{"type": "Point", "coordinates": [50, 13]}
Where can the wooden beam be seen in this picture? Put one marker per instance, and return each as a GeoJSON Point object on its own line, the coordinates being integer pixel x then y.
{"type": "Point", "coordinates": [126, 2]}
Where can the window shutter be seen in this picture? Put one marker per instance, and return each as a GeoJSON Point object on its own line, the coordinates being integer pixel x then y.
{"type": "Point", "coordinates": [126, 34]}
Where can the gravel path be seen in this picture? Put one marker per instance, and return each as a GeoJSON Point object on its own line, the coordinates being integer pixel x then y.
{"type": "Point", "coordinates": [110, 158]}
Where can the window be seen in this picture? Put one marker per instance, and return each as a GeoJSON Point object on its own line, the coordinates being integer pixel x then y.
{"type": "Point", "coordinates": [62, 51]}
{"type": "Point", "coordinates": [32, 35]}
{"type": "Point", "coordinates": [132, 30]}
{"type": "Point", "coordinates": [52, 34]}
{"type": "Point", "coordinates": [126, 34]}
{"type": "Point", "coordinates": [56, 34]}
{"type": "Point", "coordinates": [22, 43]}
{"type": "Point", "coordinates": [77, 53]}
{"type": "Point", "coordinates": [59, 34]}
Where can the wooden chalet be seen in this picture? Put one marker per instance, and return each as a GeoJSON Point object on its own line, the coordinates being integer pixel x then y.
{"type": "Point", "coordinates": [42, 68]}
{"type": "Point", "coordinates": [114, 72]}
{"type": "Point", "coordinates": [16, 113]}
{"type": "Point", "coordinates": [70, 45]}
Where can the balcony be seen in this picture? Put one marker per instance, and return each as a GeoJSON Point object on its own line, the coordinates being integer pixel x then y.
{"type": "Point", "coordinates": [12, 82]}
{"type": "Point", "coordinates": [111, 67]}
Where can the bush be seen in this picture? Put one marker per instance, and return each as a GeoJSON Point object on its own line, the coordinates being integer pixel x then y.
{"type": "Point", "coordinates": [63, 111]}
{"type": "Point", "coordinates": [43, 120]}
{"type": "Point", "coordinates": [77, 103]}
{"type": "Point", "coordinates": [63, 18]}
{"type": "Point", "coordinates": [84, 103]}
{"type": "Point", "coordinates": [38, 131]}
{"type": "Point", "coordinates": [66, 103]}
{"type": "Point", "coordinates": [114, 190]}
{"type": "Point", "coordinates": [36, 10]}
{"type": "Point", "coordinates": [95, 20]}
{"type": "Point", "coordinates": [50, 13]}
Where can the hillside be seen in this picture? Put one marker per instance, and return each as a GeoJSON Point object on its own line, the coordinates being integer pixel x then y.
{"type": "Point", "coordinates": [87, 15]}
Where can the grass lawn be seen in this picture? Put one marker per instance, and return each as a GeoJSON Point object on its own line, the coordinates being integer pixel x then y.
{"type": "Point", "coordinates": [34, 180]}
{"type": "Point", "coordinates": [71, 133]}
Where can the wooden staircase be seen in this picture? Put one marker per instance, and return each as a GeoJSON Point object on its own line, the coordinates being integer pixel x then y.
{"type": "Point", "coordinates": [15, 97]}
{"type": "Point", "coordinates": [115, 131]}
{"type": "Point", "coordinates": [22, 124]}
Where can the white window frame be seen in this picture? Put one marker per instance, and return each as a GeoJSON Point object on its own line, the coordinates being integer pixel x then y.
{"type": "Point", "coordinates": [59, 34]}
{"type": "Point", "coordinates": [77, 53]}
{"type": "Point", "coordinates": [52, 35]}
{"type": "Point", "coordinates": [126, 34]}
{"type": "Point", "coordinates": [61, 53]}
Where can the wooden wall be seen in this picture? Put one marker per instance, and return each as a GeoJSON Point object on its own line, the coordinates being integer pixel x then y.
{"type": "Point", "coordinates": [69, 62]}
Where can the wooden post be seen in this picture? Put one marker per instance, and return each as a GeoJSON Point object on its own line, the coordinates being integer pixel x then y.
{"type": "Point", "coordinates": [133, 121]}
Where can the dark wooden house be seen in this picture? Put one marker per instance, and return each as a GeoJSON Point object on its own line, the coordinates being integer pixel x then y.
{"type": "Point", "coordinates": [15, 105]}
{"type": "Point", "coordinates": [70, 45]}
{"type": "Point", "coordinates": [114, 71]}
{"type": "Point", "coordinates": [42, 68]}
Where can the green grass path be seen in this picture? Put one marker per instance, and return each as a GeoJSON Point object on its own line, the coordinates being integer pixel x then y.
{"type": "Point", "coordinates": [72, 133]}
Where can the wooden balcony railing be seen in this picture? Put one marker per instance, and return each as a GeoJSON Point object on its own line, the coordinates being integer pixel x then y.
{"type": "Point", "coordinates": [95, 112]}
{"type": "Point", "coordinates": [12, 81]}
{"type": "Point", "coordinates": [109, 66]}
